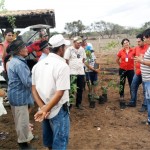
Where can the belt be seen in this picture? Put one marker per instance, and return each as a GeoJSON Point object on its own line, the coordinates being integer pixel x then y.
{"type": "Point", "coordinates": [66, 107]}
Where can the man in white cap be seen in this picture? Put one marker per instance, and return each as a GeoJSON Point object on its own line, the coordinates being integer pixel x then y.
{"type": "Point", "coordinates": [50, 88]}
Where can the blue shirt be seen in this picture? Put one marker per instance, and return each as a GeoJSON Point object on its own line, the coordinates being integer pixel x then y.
{"type": "Point", "coordinates": [19, 84]}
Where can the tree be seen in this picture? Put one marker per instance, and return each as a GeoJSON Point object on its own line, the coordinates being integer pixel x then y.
{"type": "Point", "coordinates": [74, 28]}
{"type": "Point", "coordinates": [98, 27]}
{"type": "Point", "coordinates": [2, 6]}
{"type": "Point", "coordinates": [145, 26]}
{"type": "Point", "coordinates": [11, 19]}
{"type": "Point", "coordinates": [106, 28]}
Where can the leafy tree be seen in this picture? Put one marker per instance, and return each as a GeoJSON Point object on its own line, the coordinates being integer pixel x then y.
{"type": "Point", "coordinates": [131, 31]}
{"type": "Point", "coordinates": [11, 19]}
{"type": "Point", "coordinates": [106, 28]}
{"type": "Point", "coordinates": [145, 26]}
{"type": "Point", "coordinates": [74, 28]}
{"type": "Point", "coordinates": [2, 6]}
{"type": "Point", "coordinates": [99, 28]}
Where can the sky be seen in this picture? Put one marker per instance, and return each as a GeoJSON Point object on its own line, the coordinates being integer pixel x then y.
{"type": "Point", "coordinates": [128, 13]}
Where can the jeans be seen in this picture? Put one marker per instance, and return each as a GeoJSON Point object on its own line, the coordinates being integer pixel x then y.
{"type": "Point", "coordinates": [123, 74]}
{"type": "Point", "coordinates": [56, 131]}
{"type": "Point", "coordinates": [137, 80]}
{"type": "Point", "coordinates": [147, 96]}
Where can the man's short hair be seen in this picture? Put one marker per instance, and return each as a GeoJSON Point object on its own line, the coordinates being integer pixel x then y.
{"type": "Point", "coordinates": [140, 36]}
{"type": "Point", "coordinates": [8, 30]}
{"type": "Point", "coordinates": [146, 33]}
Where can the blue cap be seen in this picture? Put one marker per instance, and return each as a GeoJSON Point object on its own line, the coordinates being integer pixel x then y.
{"type": "Point", "coordinates": [88, 47]}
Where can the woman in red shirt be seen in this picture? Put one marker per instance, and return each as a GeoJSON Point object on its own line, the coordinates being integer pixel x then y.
{"type": "Point", "coordinates": [126, 68]}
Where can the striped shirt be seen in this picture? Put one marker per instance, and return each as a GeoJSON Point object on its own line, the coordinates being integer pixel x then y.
{"type": "Point", "coordinates": [144, 68]}
{"type": "Point", "coordinates": [19, 85]}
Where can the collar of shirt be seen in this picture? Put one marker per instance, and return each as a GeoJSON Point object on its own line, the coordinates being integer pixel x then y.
{"type": "Point", "coordinates": [20, 58]}
{"type": "Point", "coordinates": [56, 56]}
{"type": "Point", "coordinates": [130, 49]}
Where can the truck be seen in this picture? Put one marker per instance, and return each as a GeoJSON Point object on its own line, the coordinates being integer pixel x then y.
{"type": "Point", "coordinates": [26, 20]}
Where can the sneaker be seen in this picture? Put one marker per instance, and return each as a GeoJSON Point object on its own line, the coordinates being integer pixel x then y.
{"type": "Point", "coordinates": [143, 109]}
{"type": "Point", "coordinates": [130, 104]}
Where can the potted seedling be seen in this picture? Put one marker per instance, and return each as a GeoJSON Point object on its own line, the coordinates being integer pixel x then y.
{"type": "Point", "coordinates": [104, 88]}
{"type": "Point", "coordinates": [91, 96]}
{"type": "Point", "coordinates": [103, 97]}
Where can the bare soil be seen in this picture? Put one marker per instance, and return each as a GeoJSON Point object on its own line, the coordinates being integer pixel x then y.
{"type": "Point", "coordinates": [106, 127]}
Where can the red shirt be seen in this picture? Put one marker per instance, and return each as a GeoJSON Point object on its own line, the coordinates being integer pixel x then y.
{"type": "Point", "coordinates": [35, 47]}
{"type": "Point", "coordinates": [137, 52]}
{"type": "Point", "coordinates": [127, 62]}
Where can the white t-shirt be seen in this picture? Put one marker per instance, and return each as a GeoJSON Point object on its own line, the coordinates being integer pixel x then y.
{"type": "Point", "coordinates": [50, 75]}
{"type": "Point", "coordinates": [75, 57]}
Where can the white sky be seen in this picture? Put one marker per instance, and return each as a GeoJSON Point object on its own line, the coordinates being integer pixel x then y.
{"type": "Point", "coordinates": [132, 13]}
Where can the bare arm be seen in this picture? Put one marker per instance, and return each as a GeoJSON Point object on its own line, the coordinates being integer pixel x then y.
{"type": "Point", "coordinates": [91, 68]}
{"type": "Point", "coordinates": [3, 51]}
{"type": "Point", "coordinates": [83, 60]}
{"type": "Point", "coordinates": [118, 60]}
{"type": "Point", "coordinates": [141, 60]}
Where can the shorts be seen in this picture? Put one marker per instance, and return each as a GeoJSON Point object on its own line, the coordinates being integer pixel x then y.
{"type": "Point", "coordinates": [91, 76]}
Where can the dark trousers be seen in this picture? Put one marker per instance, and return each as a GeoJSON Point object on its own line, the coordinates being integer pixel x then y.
{"type": "Point", "coordinates": [80, 85]}
{"type": "Point", "coordinates": [123, 74]}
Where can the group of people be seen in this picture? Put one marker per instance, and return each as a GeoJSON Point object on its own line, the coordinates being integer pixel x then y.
{"type": "Point", "coordinates": [47, 83]}
{"type": "Point", "coordinates": [134, 64]}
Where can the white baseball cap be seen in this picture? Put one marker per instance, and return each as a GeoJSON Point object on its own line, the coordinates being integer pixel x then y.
{"type": "Point", "coordinates": [58, 40]}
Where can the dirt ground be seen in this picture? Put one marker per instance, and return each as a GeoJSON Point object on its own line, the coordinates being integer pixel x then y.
{"type": "Point", "coordinates": [105, 127]}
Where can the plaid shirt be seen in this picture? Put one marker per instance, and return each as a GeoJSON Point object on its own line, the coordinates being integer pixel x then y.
{"type": "Point", "coordinates": [19, 84]}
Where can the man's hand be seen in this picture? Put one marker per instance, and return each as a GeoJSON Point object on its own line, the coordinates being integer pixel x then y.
{"type": "Point", "coordinates": [97, 70]}
{"type": "Point", "coordinates": [138, 58]}
{"type": "Point", "coordinates": [41, 114]}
